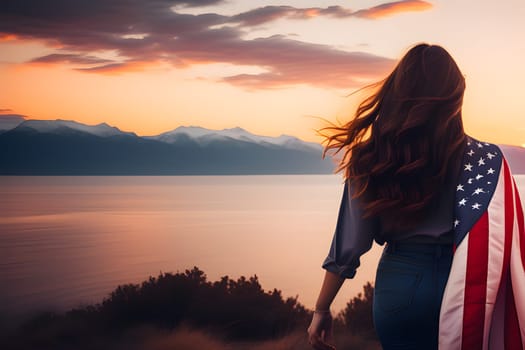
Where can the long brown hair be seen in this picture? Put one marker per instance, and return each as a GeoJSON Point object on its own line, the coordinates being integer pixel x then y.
{"type": "Point", "coordinates": [406, 139]}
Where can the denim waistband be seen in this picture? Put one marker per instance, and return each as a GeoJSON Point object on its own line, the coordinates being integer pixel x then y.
{"type": "Point", "coordinates": [423, 248]}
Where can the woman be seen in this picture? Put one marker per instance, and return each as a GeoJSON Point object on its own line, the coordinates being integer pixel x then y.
{"type": "Point", "coordinates": [408, 183]}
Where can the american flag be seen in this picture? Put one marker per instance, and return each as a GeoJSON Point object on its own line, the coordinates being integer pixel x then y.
{"type": "Point", "coordinates": [483, 306]}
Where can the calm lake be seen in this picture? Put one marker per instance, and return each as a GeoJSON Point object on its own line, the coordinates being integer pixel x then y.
{"type": "Point", "coordinates": [67, 241]}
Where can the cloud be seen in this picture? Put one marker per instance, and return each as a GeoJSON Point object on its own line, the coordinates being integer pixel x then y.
{"type": "Point", "coordinates": [144, 33]}
{"type": "Point", "coordinates": [69, 58]}
{"type": "Point", "coordinates": [5, 110]}
{"type": "Point", "coordinates": [120, 68]}
{"type": "Point", "coordinates": [392, 8]}
{"type": "Point", "coordinates": [266, 14]}
{"type": "Point", "coordinates": [295, 62]}
{"type": "Point", "coordinates": [196, 3]}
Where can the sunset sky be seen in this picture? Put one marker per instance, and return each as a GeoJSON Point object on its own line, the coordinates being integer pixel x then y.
{"type": "Point", "coordinates": [270, 67]}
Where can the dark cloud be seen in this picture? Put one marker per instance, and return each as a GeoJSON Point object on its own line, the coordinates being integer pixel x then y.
{"type": "Point", "coordinates": [296, 62]}
{"type": "Point", "coordinates": [196, 3]}
{"type": "Point", "coordinates": [146, 32]}
{"type": "Point", "coordinates": [336, 11]}
{"type": "Point", "coordinates": [265, 14]}
{"type": "Point", "coordinates": [117, 68]}
{"type": "Point", "coordinates": [69, 58]}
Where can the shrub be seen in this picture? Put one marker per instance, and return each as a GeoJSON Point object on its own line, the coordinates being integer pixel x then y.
{"type": "Point", "coordinates": [357, 315]}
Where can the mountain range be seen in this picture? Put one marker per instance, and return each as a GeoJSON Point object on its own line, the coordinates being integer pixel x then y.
{"type": "Point", "coordinates": [65, 147]}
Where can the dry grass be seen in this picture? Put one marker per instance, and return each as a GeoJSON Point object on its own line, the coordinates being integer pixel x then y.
{"type": "Point", "coordinates": [182, 338]}
{"type": "Point", "coordinates": [293, 341]}
{"type": "Point", "coordinates": [186, 338]}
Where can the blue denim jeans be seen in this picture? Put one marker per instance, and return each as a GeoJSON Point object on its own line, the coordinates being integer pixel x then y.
{"type": "Point", "coordinates": [410, 282]}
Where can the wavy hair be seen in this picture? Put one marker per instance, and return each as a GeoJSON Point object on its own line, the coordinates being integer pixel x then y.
{"type": "Point", "coordinates": [405, 140]}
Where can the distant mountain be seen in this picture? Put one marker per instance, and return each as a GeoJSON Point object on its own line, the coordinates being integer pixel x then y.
{"type": "Point", "coordinates": [204, 136]}
{"type": "Point", "coordinates": [63, 126]}
{"type": "Point", "coordinates": [63, 147]}
{"type": "Point", "coordinates": [516, 157]}
{"type": "Point", "coordinates": [10, 121]}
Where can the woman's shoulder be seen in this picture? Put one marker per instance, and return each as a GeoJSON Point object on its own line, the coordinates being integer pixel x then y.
{"type": "Point", "coordinates": [481, 160]}
{"type": "Point", "coordinates": [474, 144]}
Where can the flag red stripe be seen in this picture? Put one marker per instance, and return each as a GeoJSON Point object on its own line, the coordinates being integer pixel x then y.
{"type": "Point", "coordinates": [512, 327]}
{"type": "Point", "coordinates": [521, 225]}
{"type": "Point", "coordinates": [476, 285]}
{"type": "Point", "coordinates": [509, 219]}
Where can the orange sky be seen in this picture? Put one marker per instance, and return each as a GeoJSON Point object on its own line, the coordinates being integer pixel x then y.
{"type": "Point", "coordinates": [266, 66]}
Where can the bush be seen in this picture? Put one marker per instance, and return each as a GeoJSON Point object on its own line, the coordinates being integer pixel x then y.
{"type": "Point", "coordinates": [225, 310]}
{"type": "Point", "coordinates": [235, 309]}
{"type": "Point", "coordinates": [357, 316]}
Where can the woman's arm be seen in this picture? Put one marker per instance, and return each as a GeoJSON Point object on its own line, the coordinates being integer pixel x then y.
{"type": "Point", "coordinates": [353, 237]}
{"type": "Point", "coordinates": [320, 330]}
{"type": "Point", "coordinates": [331, 285]}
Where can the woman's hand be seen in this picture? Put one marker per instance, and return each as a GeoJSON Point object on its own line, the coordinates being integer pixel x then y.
{"type": "Point", "coordinates": [320, 331]}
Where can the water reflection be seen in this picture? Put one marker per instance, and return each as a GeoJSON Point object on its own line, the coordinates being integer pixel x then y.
{"type": "Point", "coordinates": [71, 240]}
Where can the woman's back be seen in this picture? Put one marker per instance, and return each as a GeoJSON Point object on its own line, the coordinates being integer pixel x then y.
{"type": "Point", "coordinates": [404, 146]}
{"type": "Point", "coordinates": [407, 166]}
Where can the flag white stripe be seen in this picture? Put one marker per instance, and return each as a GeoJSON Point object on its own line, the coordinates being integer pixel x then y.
{"type": "Point", "coordinates": [496, 213]}
{"type": "Point", "coordinates": [459, 323]}
{"type": "Point", "coordinates": [497, 328]}
{"type": "Point", "coordinates": [451, 315]}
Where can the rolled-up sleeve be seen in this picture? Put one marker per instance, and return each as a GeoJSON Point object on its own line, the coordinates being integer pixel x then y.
{"type": "Point", "coordinates": [352, 238]}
